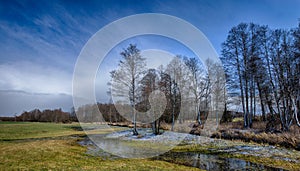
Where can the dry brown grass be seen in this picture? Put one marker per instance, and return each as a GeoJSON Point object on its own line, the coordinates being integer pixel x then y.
{"type": "Point", "coordinates": [235, 130]}
{"type": "Point", "coordinates": [165, 126]}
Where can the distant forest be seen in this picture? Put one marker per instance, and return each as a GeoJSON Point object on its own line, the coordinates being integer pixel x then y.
{"type": "Point", "coordinates": [56, 115]}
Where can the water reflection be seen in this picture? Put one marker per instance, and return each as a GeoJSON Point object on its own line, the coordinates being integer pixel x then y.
{"type": "Point", "coordinates": [195, 159]}
{"type": "Point", "coordinates": [125, 145]}
{"type": "Point", "coordinates": [212, 162]}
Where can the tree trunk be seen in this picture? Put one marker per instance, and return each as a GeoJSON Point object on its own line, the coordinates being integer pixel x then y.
{"type": "Point", "coordinates": [247, 104]}
{"type": "Point", "coordinates": [173, 118]}
{"type": "Point", "coordinates": [134, 123]}
{"type": "Point", "coordinates": [251, 102]}
{"type": "Point", "coordinates": [241, 86]}
{"type": "Point", "coordinates": [295, 112]}
{"type": "Point", "coordinates": [155, 127]}
{"type": "Point", "coordinates": [198, 114]}
{"type": "Point", "coordinates": [263, 112]}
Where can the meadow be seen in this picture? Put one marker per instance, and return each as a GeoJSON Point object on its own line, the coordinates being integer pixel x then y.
{"type": "Point", "coordinates": [51, 146]}
{"type": "Point", "coordinates": [56, 146]}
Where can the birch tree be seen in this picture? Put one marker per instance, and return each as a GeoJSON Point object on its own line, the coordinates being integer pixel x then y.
{"type": "Point", "coordinates": [198, 85]}
{"type": "Point", "coordinates": [177, 71]}
{"type": "Point", "coordinates": [127, 77]}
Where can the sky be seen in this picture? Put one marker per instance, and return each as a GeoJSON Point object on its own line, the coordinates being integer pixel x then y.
{"type": "Point", "coordinates": [40, 41]}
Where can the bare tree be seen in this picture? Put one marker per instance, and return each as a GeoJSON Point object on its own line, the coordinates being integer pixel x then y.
{"type": "Point", "coordinates": [127, 77]}
{"type": "Point", "coordinates": [179, 84]}
{"type": "Point", "coordinates": [148, 97]}
{"type": "Point", "coordinates": [266, 62]}
{"type": "Point", "coordinates": [240, 53]}
{"type": "Point", "coordinates": [285, 68]}
{"type": "Point", "coordinates": [216, 88]}
{"type": "Point", "coordinates": [198, 83]}
{"type": "Point", "coordinates": [296, 51]}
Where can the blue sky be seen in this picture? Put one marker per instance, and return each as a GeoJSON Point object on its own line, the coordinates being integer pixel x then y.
{"type": "Point", "coordinates": [41, 40]}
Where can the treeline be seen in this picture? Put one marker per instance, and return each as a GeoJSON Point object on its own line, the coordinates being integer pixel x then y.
{"type": "Point", "coordinates": [90, 113]}
{"type": "Point", "coordinates": [263, 65]}
{"type": "Point", "coordinates": [56, 115]}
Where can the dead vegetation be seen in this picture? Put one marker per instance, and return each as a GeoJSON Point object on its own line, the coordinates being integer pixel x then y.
{"type": "Point", "coordinates": [258, 133]}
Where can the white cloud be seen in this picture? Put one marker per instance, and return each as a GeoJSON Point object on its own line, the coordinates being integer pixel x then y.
{"type": "Point", "coordinates": [35, 78]}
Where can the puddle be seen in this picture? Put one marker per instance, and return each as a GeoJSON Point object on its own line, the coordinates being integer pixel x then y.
{"type": "Point", "coordinates": [123, 142]}
{"type": "Point", "coordinates": [194, 159]}
{"type": "Point", "coordinates": [211, 162]}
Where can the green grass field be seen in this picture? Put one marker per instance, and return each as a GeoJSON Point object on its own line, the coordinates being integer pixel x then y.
{"type": "Point", "coordinates": [50, 146]}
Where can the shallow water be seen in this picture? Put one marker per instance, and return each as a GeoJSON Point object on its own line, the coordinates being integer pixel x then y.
{"type": "Point", "coordinates": [211, 162]}
{"type": "Point", "coordinates": [195, 159]}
